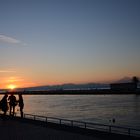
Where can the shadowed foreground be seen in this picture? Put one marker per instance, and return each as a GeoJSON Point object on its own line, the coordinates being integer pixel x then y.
{"type": "Point", "coordinates": [16, 130]}
{"type": "Point", "coordinates": [25, 129]}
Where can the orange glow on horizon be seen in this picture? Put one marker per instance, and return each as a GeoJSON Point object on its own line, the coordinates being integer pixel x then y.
{"type": "Point", "coordinates": [17, 81]}
{"type": "Point", "coordinates": [14, 82]}
{"type": "Point", "coordinates": [11, 86]}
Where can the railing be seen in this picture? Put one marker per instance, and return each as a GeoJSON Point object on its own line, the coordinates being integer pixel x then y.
{"type": "Point", "coordinates": [86, 125]}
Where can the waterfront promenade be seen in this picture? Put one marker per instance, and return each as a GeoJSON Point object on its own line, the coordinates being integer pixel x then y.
{"type": "Point", "coordinates": [33, 129]}
{"type": "Point", "coordinates": [18, 130]}
{"type": "Point", "coordinates": [13, 130]}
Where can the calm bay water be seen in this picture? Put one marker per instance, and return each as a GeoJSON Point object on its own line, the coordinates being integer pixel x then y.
{"type": "Point", "coordinates": [91, 108]}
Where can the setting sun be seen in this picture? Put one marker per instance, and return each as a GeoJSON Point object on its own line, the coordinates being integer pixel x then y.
{"type": "Point", "coordinates": [11, 86]}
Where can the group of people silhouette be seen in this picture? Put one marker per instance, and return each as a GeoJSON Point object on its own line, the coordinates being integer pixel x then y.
{"type": "Point", "coordinates": [10, 102]}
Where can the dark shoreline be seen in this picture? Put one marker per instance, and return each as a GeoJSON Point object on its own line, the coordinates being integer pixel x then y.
{"type": "Point", "coordinates": [15, 125]}
{"type": "Point", "coordinates": [75, 92]}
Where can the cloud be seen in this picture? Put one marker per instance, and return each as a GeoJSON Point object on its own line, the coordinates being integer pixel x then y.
{"type": "Point", "coordinates": [14, 79]}
{"type": "Point", "coordinates": [11, 40]}
{"type": "Point", "coordinates": [7, 71]}
{"type": "Point", "coordinates": [7, 39]}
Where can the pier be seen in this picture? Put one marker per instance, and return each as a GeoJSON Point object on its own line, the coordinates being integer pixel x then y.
{"type": "Point", "coordinates": [72, 92]}
{"type": "Point", "coordinates": [40, 127]}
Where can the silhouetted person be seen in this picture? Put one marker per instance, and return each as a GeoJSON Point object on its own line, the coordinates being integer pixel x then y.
{"type": "Point", "coordinates": [113, 120]}
{"type": "Point", "coordinates": [21, 104]}
{"type": "Point", "coordinates": [12, 103]}
{"type": "Point", "coordinates": [4, 105]}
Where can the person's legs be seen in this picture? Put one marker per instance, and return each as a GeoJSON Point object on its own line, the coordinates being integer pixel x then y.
{"type": "Point", "coordinates": [4, 113]}
{"type": "Point", "coordinates": [21, 112]}
{"type": "Point", "coordinates": [10, 110]}
{"type": "Point", "coordinates": [13, 110]}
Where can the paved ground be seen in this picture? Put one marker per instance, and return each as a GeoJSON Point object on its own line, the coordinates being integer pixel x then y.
{"type": "Point", "coordinates": [16, 130]}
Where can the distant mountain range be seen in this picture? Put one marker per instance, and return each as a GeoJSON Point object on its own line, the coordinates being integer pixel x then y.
{"type": "Point", "coordinates": [124, 80]}
{"type": "Point", "coordinates": [71, 86]}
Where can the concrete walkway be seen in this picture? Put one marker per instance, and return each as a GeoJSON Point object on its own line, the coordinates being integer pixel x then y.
{"type": "Point", "coordinates": [16, 130]}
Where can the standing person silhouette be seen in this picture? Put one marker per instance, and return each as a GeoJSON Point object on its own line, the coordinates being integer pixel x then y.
{"type": "Point", "coordinates": [12, 103]}
{"type": "Point", "coordinates": [4, 105]}
{"type": "Point", "coordinates": [21, 104]}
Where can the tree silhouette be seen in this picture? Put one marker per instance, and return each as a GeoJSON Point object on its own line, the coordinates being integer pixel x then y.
{"type": "Point", "coordinates": [135, 80]}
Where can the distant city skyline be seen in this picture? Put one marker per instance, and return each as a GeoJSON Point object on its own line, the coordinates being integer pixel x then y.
{"type": "Point", "coordinates": [50, 42]}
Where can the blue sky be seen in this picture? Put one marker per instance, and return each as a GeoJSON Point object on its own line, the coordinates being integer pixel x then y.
{"type": "Point", "coordinates": [63, 41]}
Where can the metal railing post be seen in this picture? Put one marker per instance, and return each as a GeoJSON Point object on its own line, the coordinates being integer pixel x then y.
{"type": "Point", "coordinates": [60, 121]}
{"type": "Point", "coordinates": [110, 129]}
{"type": "Point", "coordinates": [71, 123]}
{"type": "Point", "coordinates": [85, 125]}
{"type": "Point", "coordinates": [128, 131]}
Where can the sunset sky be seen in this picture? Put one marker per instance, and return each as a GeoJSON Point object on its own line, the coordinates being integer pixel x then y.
{"type": "Point", "coordinates": [47, 42]}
